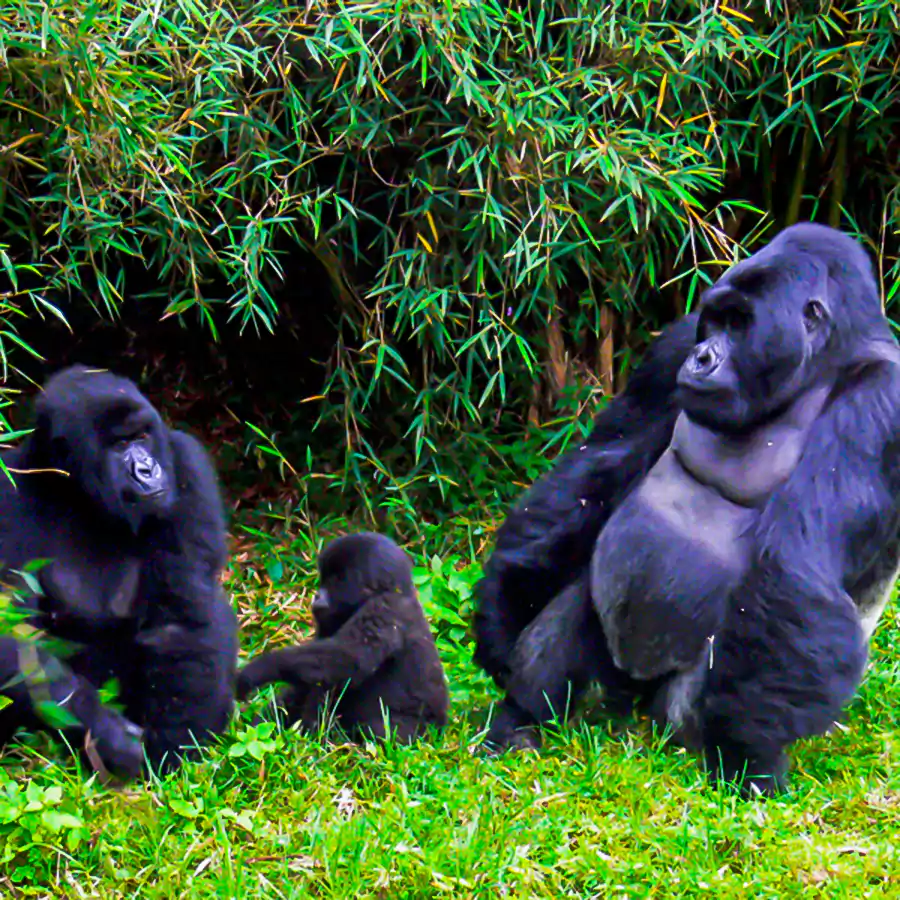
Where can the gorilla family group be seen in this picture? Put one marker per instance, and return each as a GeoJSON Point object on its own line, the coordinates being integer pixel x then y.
{"type": "Point", "coordinates": [717, 552]}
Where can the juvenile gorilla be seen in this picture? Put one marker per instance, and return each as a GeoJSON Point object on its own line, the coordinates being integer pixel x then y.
{"type": "Point", "coordinates": [373, 648]}
{"type": "Point", "coordinates": [724, 543]}
{"type": "Point", "coordinates": [127, 517]}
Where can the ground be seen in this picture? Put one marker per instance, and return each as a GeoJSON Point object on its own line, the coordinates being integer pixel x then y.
{"type": "Point", "coordinates": [605, 811]}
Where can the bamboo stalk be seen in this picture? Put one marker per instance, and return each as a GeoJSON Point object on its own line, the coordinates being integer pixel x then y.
{"type": "Point", "coordinates": [793, 210]}
{"type": "Point", "coordinates": [606, 351]}
{"type": "Point", "coordinates": [839, 173]}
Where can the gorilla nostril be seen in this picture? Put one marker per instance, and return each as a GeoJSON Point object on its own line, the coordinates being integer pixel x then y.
{"type": "Point", "coordinates": [705, 361]}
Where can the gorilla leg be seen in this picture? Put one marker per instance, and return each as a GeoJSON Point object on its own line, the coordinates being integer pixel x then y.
{"type": "Point", "coordinates": [556, 657]}
{"type": "Point", "coordinates": [784, 665]}
{"type": "Point", "coordinates": [184, 695]}
{"type": "Point", "coordinates": [117, 740]}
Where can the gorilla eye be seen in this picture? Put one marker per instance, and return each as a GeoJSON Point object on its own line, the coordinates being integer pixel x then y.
{"type": "Point", "coordinates": [813, 314]}
{"type": "Point", "coordinates": [736, 319]}
{"type": "Point", "coordinates": [123, 443]}
{"type": "Point", "coordinates": [732, 318]}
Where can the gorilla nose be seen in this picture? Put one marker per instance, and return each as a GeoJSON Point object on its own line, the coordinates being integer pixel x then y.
{"type": "Point", "coordinates": [320, 602]}
{"type": "Point", "coordinates": [706, 359]}
{"type": "Point", "coordinates": [149, 475]}
{"type": "Point", "coordinates": [145, 470]}
{"type": "Point", "coordinates": [148, 469]}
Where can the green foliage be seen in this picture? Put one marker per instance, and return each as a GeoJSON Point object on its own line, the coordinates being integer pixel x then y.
{"type": "Point", "coordinates": [31, 816]}
{"type": "Point", "coordinates": [39, 653]}
{"type": "Point", "coordinates": [445, 589]}
{"type": "Point", "coordinates": [17, 301]}
{"type": "Point", "coordinates": [491, 190]}
{"type": "Point", "coordinates": [256, 741]}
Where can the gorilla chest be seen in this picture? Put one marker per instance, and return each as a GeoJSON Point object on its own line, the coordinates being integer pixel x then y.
{"type": "Point", "coordinates": [90, 577]}
{"type": "Point", "coordinates": [663, 567]}
{"type": "Point", "coordinates": [685, 512]}
{"type": "Point", "coordinates": [671, 554]}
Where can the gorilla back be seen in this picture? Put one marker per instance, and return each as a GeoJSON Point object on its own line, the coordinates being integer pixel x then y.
{"type": "Point", "coordinates": [127, 516]}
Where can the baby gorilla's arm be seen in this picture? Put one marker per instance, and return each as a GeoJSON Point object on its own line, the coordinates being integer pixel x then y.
{"type": "Point", "coordinates": [365, 643]}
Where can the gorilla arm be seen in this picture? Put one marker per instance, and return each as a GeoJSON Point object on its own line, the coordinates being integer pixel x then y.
{"type": "Point", "coordinates": [548, 537]}
{"type": "Point", "coordinates": [793, 647]}
{"type": "Point", "coordinates": [189, 638]}
{"type": "Point", "coordinates": [33, 678]}
{"type": "Point", "coordinates": [36, 682]}
{"type": "Point", "coordinates": [371, 637]}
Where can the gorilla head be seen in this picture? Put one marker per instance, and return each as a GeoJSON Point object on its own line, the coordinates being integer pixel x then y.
{"type": "Point", "coordinates": [780, 323]}
{"type": "Point", "coordinates": [352, 569]}
{"type": "Point", "coordinates": [101, 431]}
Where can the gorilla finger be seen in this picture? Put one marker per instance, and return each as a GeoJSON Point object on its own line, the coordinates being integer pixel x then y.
{"type": "Point", "coordinates": [119, 744]}
{"type": "Point", "coordinates": [256, 674]}
{"type": "Point", "coordinates": [511, 731]}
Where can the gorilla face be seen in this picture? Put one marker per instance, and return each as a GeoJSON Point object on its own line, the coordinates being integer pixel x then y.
{"type": "Point", "coordinates": [136, 482]}
{"type": "Point", "coordinates": [112, 443]}
{"type": "Point", "coordinates": [763, 339]}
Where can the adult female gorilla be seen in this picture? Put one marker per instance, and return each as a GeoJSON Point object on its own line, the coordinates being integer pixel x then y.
{"type": "Point", "coordinates": [128, 513]}
{"type": "Point", "coordinates": [724, 543]}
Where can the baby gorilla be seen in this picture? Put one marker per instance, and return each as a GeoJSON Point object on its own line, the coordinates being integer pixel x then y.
{"type": "Point", "coordinates": [373, 656]}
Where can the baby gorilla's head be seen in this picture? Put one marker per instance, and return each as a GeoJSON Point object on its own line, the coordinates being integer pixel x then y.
{"type": "Point", "coordinates": [353, 568]}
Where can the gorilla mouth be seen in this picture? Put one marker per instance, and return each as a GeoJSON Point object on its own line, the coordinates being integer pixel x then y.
{"type": "Point", "coordinates": [688, 390]}
{"type": "Point", "coordinates": [131, 496]}
{"type": "Point", "coordinates": [703, 388]}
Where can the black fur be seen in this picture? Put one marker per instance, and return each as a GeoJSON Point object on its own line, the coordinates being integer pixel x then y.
{"type": "Point", "coordinates": [547, 539]}
{"type": "Point", "coordinates": [129, 515]}
{"type": "Point", "coordinates": [373, 648]}
{"type": "Point", "coordinates": [746, 647]}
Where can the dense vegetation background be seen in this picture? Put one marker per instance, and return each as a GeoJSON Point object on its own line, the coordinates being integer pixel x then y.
{"type": "Point", "coordinates": [386, 257]}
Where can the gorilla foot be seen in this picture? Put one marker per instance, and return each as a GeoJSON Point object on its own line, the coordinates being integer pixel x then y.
{"type": "Point", "coordinates": [753, 787]}
{"type": "Point", "coordinates": [752, 778]}
{"type": "Point", "coordinates": [525, 738]}
{"type": "Point", "coordinates": [511, 731]}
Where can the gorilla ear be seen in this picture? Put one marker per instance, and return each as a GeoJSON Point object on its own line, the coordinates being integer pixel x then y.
{"type": "Point", "coordinates": [815, 313]}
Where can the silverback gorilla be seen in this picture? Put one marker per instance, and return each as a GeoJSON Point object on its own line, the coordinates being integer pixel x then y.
{"type": "Point", "coordinates": [373, 654]}
{"type": "Point", "coordinates": [723, 544]}
{"type": "Point", "coordinates": [127, 518]}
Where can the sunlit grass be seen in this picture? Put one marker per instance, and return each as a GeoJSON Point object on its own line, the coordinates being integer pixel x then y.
{"type": "Point", "coordinates": [605, 810]}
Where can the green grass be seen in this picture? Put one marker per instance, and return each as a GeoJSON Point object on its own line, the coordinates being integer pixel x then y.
{"type": "Point", "coordinates": [604, 811]}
